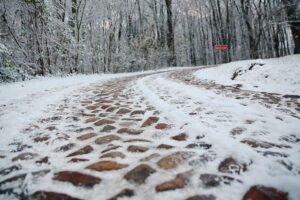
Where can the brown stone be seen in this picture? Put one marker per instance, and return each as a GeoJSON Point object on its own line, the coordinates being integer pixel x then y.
{"type": "Point", "coordinates": [91, 107]}
{"type": "Point", "coordinates": [76, 160]}
{"type": "Point", "coordinates": [138, 112]}
{"type": "Point", "coordinates": [210, 180]}
{"type": "Point", "coordinates": [179, 182]}
{"type": "Point", "coordinates": [8, 170]}
{"type": "Point", "coordinates": [137, 149]}
{"type": "Point", "coordinates": [113, 147]}
{"type": "Point", "coordinates": [114, 154]}
{"type": "Point", "coordinates": [265, 193]}
{"type": "Point", "coordinates": [44, 160]}
{"type": "Point", "coordinates": [139, 174]}
{"type": "Point", "coordinates": [106, 166]}
{"type": "Point", "coordinates": [237, 131]}
{"type": "Point", "coordinates": [65, 148]}
{"type": "Point", "coordinates": [148, 158]}
{"type": "Point", "coordinates": [150, 121]}
{"type": "Point", "coordinates": [93, 119]}
{"type": "Point", "coordinates": [123, 193]}
{"type": "Point", "coordinates": [105, 107]}
{"type": "Point", "coordinates": [111, 109]}
{"type": "Point", "coordinates": [165, 146]}
{"type": "Point", "coordinates": [161, 126]}
{"type": "Point", "coordinates": [123, 111]}
{"type": "Point", "coordinates": [43, 195]}
{"type": "Point", "coordinates": [130, 131]}
{"type": "Point", "coordinates": [103, 122]}
{"type": "Point", "coordinates": [107, 139]}
{"type": "Point", "coordinates": [203, 197]}
{"type": "Point", "coordinates": [85, 150]}
{"type": "Point", "coordinates": [76, 178]}
{"type": "Point", "coordinates": [86, 136]}
{"type": "Point", "coordinates": [108, 128]}
{"type": "Point", "coordinates": [25, 156]}
{"type": "Point", "coordinates": [230, 165]}
{"type": "Point", "coordinates": [41, 139]}
{"type": "Point", "coordinates": [173, 160]}
{"type": "Point", "coordinates": [180, 137]}
{"type": "Point", "coordinates": [137, 140]}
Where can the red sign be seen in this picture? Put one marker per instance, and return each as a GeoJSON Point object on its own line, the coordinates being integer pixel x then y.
{"type": "Point", "coordinates": [221, 47]}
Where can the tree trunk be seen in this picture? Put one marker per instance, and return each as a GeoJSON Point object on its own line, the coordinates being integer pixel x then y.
{"type": "Point", "coordinates": [170, 34]}
{"type": "Point", "coordinates": [294, 21]}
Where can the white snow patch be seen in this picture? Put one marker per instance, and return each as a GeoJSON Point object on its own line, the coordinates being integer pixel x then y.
{"type": "Point", "coordinates": [279, 75]}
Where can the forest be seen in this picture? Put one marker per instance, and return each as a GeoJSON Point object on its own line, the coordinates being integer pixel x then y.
{"type": "Point", "coordinates": [53, 37]}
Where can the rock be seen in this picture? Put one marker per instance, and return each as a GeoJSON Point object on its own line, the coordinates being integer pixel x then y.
{"type": "Point", "coordinates": [51, 128]}
{"type": "Point", "coordinates": [130, 131]}
{"type": "Point", "coordinates": [65, 148]}
{"type": "Point", "coordinates": [199, 145]}
{"type": "Point", "coordinates": [255, 143]}
{"type": "Point", "coordinates": [43, 195]}
{"type": "Point", "coordinates": [111, 109]}
{"type": "Point", "coordinates": [138, 112]}
{"type": "Point", "coordinates": [165, 146]}
{"type": "Point", "coordinates": [265, 193]}
{"type": "Point", "coordinates": [148, 158]}
{"type": "Point", "coordinates": [114, 154]}
{"type": "Point", "coordinates": [210, 180]}
{"type": "Point", "coordinates": [108, 128]}
{"type": "Point", "coordinates": [76, 178]}
{"type": "Point", "coordinates": [103, 122]}
{"type": "Point", "coordinates": [161, 126]}
{"type": "Point", "coordinates": [137, 149]}
{"type": "Point", "coordinates": [237, 131]}
{"type": "Point", "coordinates": [173, 160]}
{"type": "Point", "coordinates": [179, 182]}
{"type": "Point", "coordinates": [230, 165]}
{"type": "Point", "coordinates": [9, 170]}
{"type": "Point", "coordinates": [150, 121]}
{"type": "Point", "coordinates": [25, 156]}
{"type": "Point", "coordinates": [91, 107]}
{"type": "Point", "coordinates": [180, 137]}
{"type": "Point", "coordinates": [80, 130]}
{"type": "Point", "coordinates": [41, 139]}
{"type": "Point", "coordinates": [85, 150]}
{"type": "Point", "coordinates": [113, 147]}
{"type": "Point", "coordinates": [202, 197]}
{"type": "Point", "coordinates": [139, 174]}
{"type": "Point", "coordinates": [44, 160]}
{"type": "Point", "coordinates": [86, 136]}
{"type": "Point", "coordinates": [93, 119]}
{"type": "Point", "coordinates": [123, 193]}
{"type": "Point", "coordinates": [106, 166]}
{"type": "Point", "coordinates": [137, 140]}
{"type": "Point", "coordinates": [105, 107]}
{"type": "Point", "coordinates": [262, 144]}
{"type": "Point", "coordinates": [76, 160]}
{"type": "Point", "coordinates": [107, 139]}
{"type": "Point", "coordinates": [123, 111]}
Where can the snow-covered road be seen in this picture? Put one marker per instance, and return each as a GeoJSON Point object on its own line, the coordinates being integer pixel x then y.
{"type": "Point", "coordinates": [149, 136]}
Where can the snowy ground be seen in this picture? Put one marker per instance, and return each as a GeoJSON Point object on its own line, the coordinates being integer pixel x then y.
{"type": "Point", "coordinates": [279, 75]}
{"type": "Point", "coordinates": [166, 135]}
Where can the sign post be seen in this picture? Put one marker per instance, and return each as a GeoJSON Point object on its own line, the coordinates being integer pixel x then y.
{"type": "Point", "coordinates": [221, 47]}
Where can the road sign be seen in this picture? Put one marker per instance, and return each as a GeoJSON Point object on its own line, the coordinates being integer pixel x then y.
{"type": "Point", "coordinates": [221, 47]}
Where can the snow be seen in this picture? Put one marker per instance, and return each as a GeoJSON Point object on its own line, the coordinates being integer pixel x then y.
{"type": "Point", "coordinates": [278, 75]}
{"type": "Point", "coordinates": [25, 103]}
{"type": "Point", "coordinates": [177, 100]}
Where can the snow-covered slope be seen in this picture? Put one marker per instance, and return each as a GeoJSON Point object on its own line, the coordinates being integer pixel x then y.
{"type": "Point", "coordinates": [279, 75]}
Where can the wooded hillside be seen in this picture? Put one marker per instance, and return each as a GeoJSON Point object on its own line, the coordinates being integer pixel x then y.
{"type": "Point", "coordinates": [40, 37]}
